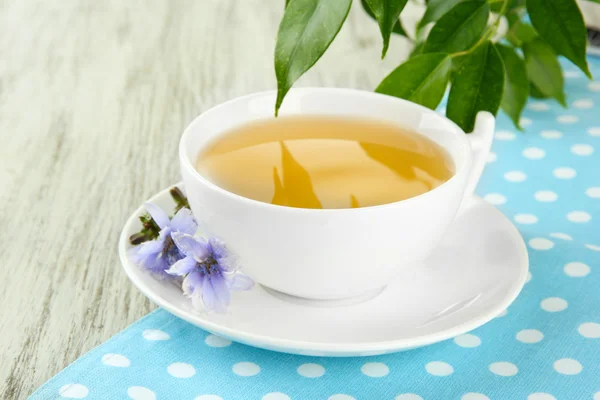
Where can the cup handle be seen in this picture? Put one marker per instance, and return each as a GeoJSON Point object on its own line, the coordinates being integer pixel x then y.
{"type": "Point", "coordinates": [481, 142]}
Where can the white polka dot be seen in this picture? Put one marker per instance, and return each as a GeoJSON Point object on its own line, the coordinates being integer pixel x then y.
{"type": "Point", "coordinates": [439, 368]}
{"type": "Point", "coordinates": [579, 216]}
{"type": "Point", "coordinates": [140, 393]}
{"type": "Point", "coordinates": [564, 173]}
{"type": "Point", "coordinates": [504, 368]}
{"type": "Point", "coordinates": [597, 396]}
{"type": "Point", "coordinates": [577, 269]}
{"type": "Point", "coordinates": [593, 192]}
{"type": "Point", "coordinates": [582, 149]}
{"type": "Point", "coordinates": [311, 370]}
{"type": "Point", "coordinates": [467, 340]}
{"type": "Point", "coordinates": [474, 396]}
{"type": "Point", "coordinates": [341, 397]}
{"type": "Point", "coordinates": [116, 360]}
{"type": "Point", "coordinates": [408, 396]}
{"type": "Point", "coordinates": [594, 131]}
{"type": "Point", "coordinates": [529, 276]}
{"type": "Point", "coordinates": [375, 370]}
{"type": "Point", "coordinates": [208, 397]}
{"type": "Point", "coordinates": [590, 330]}
{"type": "Point", "coordinates": [551, 134]}
{"type": "Point", "coordinates": [567, 119]}
{"type": "Point", "coordinates": [515, 176]}
{"type": "Point", "coordinates": [553, 304]}
{"type": "Point", "coordinates": [545, 196]}
{"type": "Point", "coordinates": [572, 74]}
{"type": "Point", "coordinates": [534, 153]}
{"type": "Point", "coordinates": [217, 341]}
{"type": "Point", "coordinates": [502, 314]}
{"type": "Point", "coordinates": [73, 391]}
{"type": "Point", "coordinates": [505, 135]}
{"type": "Point", "coordinates": [491, 157]}
{"type": "Point", "coordinates": [526, 219]}
{"type": "Point", "coordinates": [276, 396]}
{"type": "Point", "coordinates": [583, 104]}
{"type": "Point", "coordinates": [246, 369]}
{"type": "Point", "coordinates": [592, 247]}
{"type": "Point", "coordinates": [155, 334]}
{"type": "Point", "coordinates": [181, 370]}
{"type": "Point", "coordinates": [524, 121]}
{"type": "Point", "coordinates": [567, 366]}
{"type": "Point", "coordinates": [541, 244]}
{"type": "Point", "coordinates": [495, 199]}
{"type": "Point", "coordinates": [538, 106]}
{"type": "Point", "coordinates": [562, 236]}
{"type": "Point", "coordinates": [530, 336]}
{"type": "Point", "coordinates": [540, 396]}
{"type": "Point", "coordinates": [594, 86]}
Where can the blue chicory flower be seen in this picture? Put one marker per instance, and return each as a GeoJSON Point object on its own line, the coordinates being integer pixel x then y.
{"type": "Point", "coordinates": [210, 271]}
{"type": "Point", "coordinates": [158, 255]}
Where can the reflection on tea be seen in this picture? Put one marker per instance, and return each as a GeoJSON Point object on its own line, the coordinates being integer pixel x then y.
{"type": "Point", "coordinates": [324, 162]}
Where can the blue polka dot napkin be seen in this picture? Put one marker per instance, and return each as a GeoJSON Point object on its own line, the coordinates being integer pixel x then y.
{"type": "Point", "coordinates": [546, 346]}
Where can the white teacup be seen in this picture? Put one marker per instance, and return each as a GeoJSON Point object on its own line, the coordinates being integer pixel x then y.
{"type": "Point", "coordinates": [332, 254]}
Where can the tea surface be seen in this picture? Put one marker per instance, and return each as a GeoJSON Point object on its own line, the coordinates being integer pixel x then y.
{"type": "Point", "coordinates": [324, 162]}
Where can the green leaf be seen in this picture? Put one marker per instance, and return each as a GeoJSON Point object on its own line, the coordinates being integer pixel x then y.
{"type": "Point", "coordinates": [398, 28]}
{"type": "Point", "coordinates": [477, 85]}
{"type": "Point", "coordinates": [422, 79]}
{"type": "Point", "coordinates": [543, 69]}
{"type": "Point", "coordinates": [306, 30]}
{"type": "Point", "coordinates": [496, 5]}
{"type": "Point", "coordinates": [459, 29]}
{"type": "Point", "coordinates": [435, 10]}
{"type": "Point", "coordinates": [513, 18]}
{"type": "Point", "coordinates": [535, 93]}
{"type": "Point", "coordinates": [521, 33]}
{"type": "Point", "coordinates": [418, 49]}
{"type": "Point", "coordinates": [516, 85]}
{"type": "Point", "coordinates": [560, 24]}
{"type": "Point", "coordinates": [386, 13]}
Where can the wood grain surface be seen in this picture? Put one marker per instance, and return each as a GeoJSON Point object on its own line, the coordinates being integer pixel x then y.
{"type": "Point", "coordinates": [93, 98]}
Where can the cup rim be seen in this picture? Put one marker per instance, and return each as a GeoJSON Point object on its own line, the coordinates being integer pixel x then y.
{"type": "Point", "coordinates": [187, 163]}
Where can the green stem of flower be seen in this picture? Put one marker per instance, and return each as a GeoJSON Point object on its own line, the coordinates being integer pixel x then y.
{"type": "Point", "coordinates": [180, 200]}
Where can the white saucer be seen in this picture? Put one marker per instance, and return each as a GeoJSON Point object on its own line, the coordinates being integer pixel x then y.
{"type": "Point", "coordinates": [476, 272]}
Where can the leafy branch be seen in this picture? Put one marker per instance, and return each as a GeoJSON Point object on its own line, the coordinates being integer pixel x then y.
{"type": "Point", "coordinates": [461, 50]}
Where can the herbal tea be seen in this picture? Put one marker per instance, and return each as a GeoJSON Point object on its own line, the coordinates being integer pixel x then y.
{"type": "Point", "coordinates": [324, 162]}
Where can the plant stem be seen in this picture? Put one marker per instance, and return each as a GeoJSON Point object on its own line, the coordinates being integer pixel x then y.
{"type": "Point", "coordinates": [490, 31]}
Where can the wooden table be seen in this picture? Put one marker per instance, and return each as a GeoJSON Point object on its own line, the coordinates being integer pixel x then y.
{"type": "Point", "coordinates": [93, 98]}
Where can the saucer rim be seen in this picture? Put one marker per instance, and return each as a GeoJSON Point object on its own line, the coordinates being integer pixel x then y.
{"type": "Point", "coordinates": [325, 348]}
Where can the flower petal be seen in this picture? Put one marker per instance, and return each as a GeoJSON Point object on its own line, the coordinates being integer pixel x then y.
{"type": "Point", "coordinates": [220, 289]}
{"type": "Point", "coordinates": [159, 267]}
{"type": "Point", "coordinates": [218, 248]}
{"type": "Point", "coordinates": [184, 222]}
{"type": "Point", "coordinates": [229, 263]}
{"type": "Point", "coordinates": [211, 300]}
{"type": "Point", "coordinates": [148, 260]}
{"type": "Point", "coordinates": [208, 295]}
{"type": "Point", "coordinates": [240, 282]}
{"type": "Point", "coordinates": [150, 247]}
{"type": "Point", "coordinates": [190, 245]}
{"type": "Point", "coordinates": [158, 215]}
{"type": "Point", "coordinates": [182, 267]}
{"type": "Point", "coordinates": [137, 257]}
{"type": "Point", "coordinates": [192, 282]}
